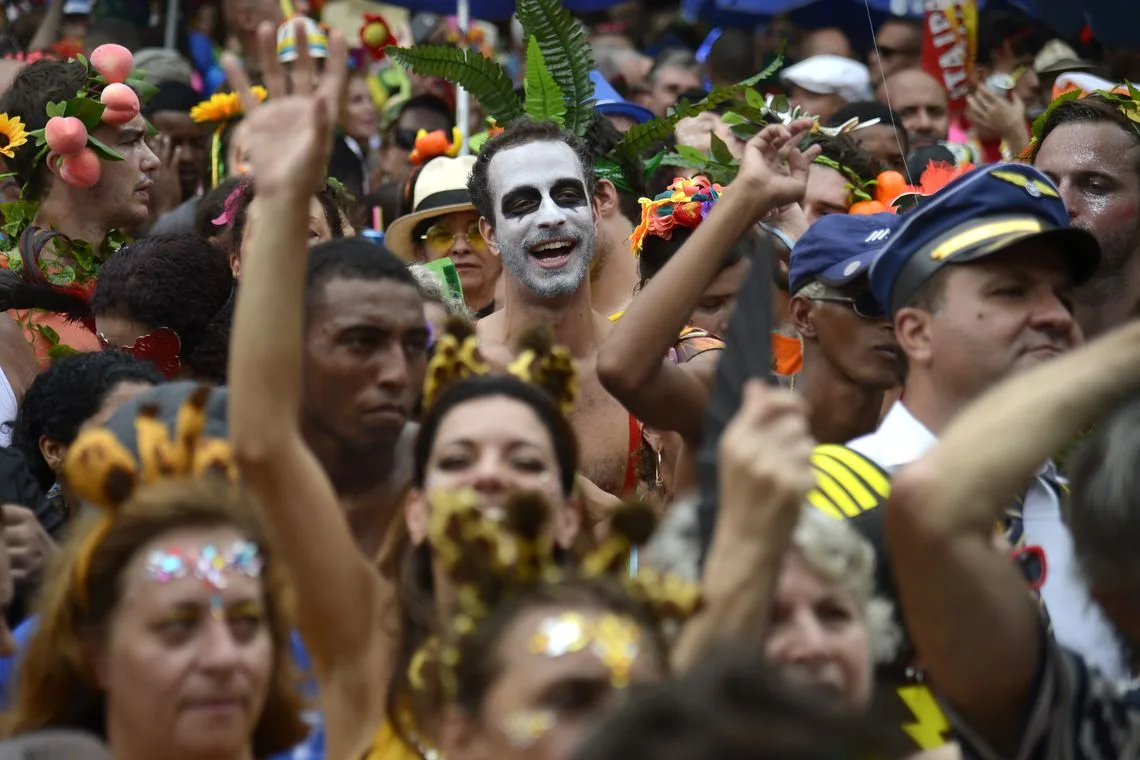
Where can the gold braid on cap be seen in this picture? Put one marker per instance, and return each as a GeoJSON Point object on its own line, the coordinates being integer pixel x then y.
{"type": "Point", "coordinates": [491, 558]}
{"type": "Point", "coordinates": [103, 472]}
{"type": "Point", "coordinates": [540, 362]}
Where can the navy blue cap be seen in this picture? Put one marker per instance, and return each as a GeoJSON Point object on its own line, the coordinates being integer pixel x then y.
{"type": "Point", "coordinates": [838, 248]}
{"type": "Point", "coordinates": [978, 214]}
{"type": "Point", "coordinates": [608, 102]}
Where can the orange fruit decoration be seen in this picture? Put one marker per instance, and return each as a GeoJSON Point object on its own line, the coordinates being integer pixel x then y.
{"type": "Point", "coordinates": [865, 208]}
{"type": "Point", "coordinates": [889, 185]}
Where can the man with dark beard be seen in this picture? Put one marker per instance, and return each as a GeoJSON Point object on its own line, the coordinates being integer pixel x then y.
{"type": "Point", "coordinates": [533, 188]}
{"type": "Point", "coordinates": [1091, 150]}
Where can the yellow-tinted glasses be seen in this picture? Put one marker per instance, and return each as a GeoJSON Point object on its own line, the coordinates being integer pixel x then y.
{"type": "Point", "coordinates": [439, 239]}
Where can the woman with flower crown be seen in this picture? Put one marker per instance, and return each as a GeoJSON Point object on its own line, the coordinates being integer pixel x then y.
{"type": "Point", "coordinates": [162, 626]}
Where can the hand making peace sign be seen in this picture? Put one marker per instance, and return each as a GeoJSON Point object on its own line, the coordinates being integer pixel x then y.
{"type": "Point", "coordinates": [290, 135]}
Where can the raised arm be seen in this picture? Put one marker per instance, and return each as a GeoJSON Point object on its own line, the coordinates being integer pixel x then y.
{"type": "Point", "coordinates": [631, 361]}
{"type": "Point", "coordinates": [978, 632]}
{"type": "Point", "coordinates": [765, 471]}
{"type": "Point", "coordinates": [337, 591]}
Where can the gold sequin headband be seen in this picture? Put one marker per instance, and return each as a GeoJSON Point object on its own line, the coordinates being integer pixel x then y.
{"type": "Point", "coordinates": [105, 473]}
{"type": "Point", "coordinates": [457, 357]}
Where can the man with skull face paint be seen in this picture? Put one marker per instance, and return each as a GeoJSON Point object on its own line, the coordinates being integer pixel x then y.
{"type": "Point", "coordinates": [532, 188]}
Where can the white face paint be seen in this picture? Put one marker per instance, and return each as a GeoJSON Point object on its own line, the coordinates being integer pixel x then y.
{"type": "Point", "coordinates": [544, 221]}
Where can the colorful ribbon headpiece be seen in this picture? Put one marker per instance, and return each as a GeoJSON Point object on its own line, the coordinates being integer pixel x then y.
{"type": "Point", "coordinates": [685, 204]}
{"type": "Point", "coordinates": [491, 558]}
{"type": "Point", "coordinates": [103, 472]}
{"type": "Point", "coordinates": [456, 357]}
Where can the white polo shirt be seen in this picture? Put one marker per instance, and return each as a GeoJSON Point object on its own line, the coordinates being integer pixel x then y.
{"type": "Point", "coordinates": [1078, 622]}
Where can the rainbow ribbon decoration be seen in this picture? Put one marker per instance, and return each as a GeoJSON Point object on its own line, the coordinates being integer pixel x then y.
{"type": "Point", "coordinates": [686, 203]}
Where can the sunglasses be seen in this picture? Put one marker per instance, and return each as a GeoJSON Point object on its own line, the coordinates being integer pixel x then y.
{"type": "Point", "coordinates": [440, 240]}
{"type": "Point", "coordinates": [1030, 560]}
{"type": "Point", "coordinates": [864, 304]}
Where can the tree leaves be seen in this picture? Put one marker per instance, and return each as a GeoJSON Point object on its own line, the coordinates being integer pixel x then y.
{"type": "Point", "coordinates": [642, 137]}
{"type": "Point", "coordinates": [480, 76]}
{"type": "Point", "coordinates": [544, 99]}
{"type": "Point", "coordinates": [567, 56]}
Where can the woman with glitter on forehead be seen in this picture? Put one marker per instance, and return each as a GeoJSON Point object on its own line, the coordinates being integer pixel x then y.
{"type": "Point", "coordinates": [162, 629]}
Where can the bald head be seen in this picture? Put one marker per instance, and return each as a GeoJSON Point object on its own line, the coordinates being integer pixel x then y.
{"type": "Point", "coordinates": [921, 102]}
{"type": "Point", "coordinates": [827, 41]}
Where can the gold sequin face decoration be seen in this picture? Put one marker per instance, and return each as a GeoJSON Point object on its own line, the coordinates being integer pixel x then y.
{"type": "Point", "coordinates": [613, 639]}
{"type": "Point", "coordinates": [525, 727]}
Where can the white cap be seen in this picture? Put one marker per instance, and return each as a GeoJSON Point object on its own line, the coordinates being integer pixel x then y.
{"type": "Point", "coordinates": [78, 7]}
{"type": "Point", "coordinates": [1082, 81]}
{"type": "Point", "coordinates": [831, 74]}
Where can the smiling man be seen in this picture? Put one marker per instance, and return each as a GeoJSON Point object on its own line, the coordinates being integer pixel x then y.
{"type": "Point", "coordinates": [979, 284]}
{"type": "Point", "coordinates": [119, 200]}
{"type": "Point", "coordinates": [532, 186]}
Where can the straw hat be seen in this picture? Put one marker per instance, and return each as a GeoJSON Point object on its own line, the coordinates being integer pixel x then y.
{"type": "Point", "coordinates": [441, 189]}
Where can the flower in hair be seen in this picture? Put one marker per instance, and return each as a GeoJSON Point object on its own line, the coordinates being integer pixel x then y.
{"type": "Point", "coordinates": [223, 107]}
{"type": "Point", "coordinates": [686, 203]}
{"type": "Point", "coordinates": [12, 130]}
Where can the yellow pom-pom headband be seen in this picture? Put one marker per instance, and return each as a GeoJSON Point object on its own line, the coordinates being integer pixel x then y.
{"type": "Point", "coordinates": [491, 558]}
{"type": "Point", "coordinates": [685, 204]}
{"type": "Point", "coordinates": [105, 473]}
{"type": "Point", "coordinates": [540, 363]}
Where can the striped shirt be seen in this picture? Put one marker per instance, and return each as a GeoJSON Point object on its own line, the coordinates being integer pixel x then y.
{"type": "Point", "coordinates": [1075, 713]}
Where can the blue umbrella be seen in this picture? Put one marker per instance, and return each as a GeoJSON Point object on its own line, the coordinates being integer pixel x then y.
{"type": "Point", "coordinates": [490, 10]}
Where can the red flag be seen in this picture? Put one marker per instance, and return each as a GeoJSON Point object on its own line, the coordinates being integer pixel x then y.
{"type": "Point", "coordinates": [949, 44]}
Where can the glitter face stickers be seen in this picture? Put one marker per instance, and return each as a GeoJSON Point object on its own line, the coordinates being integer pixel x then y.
{"type": "Point", "coordinates": [613, 639]}
{"type": "Point", "coordinates": [210, 564]}
{"type": "Point", "coordinates": [525, 727]}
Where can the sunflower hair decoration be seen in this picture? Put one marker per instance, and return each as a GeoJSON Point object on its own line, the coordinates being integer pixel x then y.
{"type": "Point", "coordinates": [540, 362]}
{"type": "Point", "coordinates": [492, 558]}
{"type": "Point", "coordinates": [220, 109]}
{"type": "Point", "coordinates": [105, 473]}
{"type": "Point", "coordinates": [686, 203]}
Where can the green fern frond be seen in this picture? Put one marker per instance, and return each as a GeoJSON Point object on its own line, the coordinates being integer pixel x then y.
{"type": "Point", "coordinates": [567, 55]}
{"type": "Point", "coordinates": [641, 137]}
{"type": "Point", "coordinates": [544, 100]}
{"type": "Point", "coordinates": [480, 76]}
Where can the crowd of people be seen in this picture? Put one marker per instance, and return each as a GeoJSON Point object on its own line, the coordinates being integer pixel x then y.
{"type": "Point", "coordinates": [578, 387]}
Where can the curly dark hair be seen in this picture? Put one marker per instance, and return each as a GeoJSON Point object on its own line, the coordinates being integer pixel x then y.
{"type": "Point", "coordinates": [522, 132]}
{"type": "Point", "coordinates": [177, 281]}
{"type": "Point", "coordinates": [601, 137]}
{"type": "Point", "coordinates": [33, 88]}
{"type": "Point", "coordinates": [1091, 110]}
{"type": "Point", "coordinates": [846, 152]}
{"type": "Point", "coordinates": [657, 251]}
{"type": "Point", "coordinates": [338, 206]}
{"type": "Point", "coordinates": [66, 395]}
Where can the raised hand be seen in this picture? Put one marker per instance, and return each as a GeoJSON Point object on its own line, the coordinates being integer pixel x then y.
{"type": "Point", "coordinates": [290, 135]}
{"type": "Point", "coordinates": [774, 170]}
{"type": "Point", "coordinates": [765, 459]}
